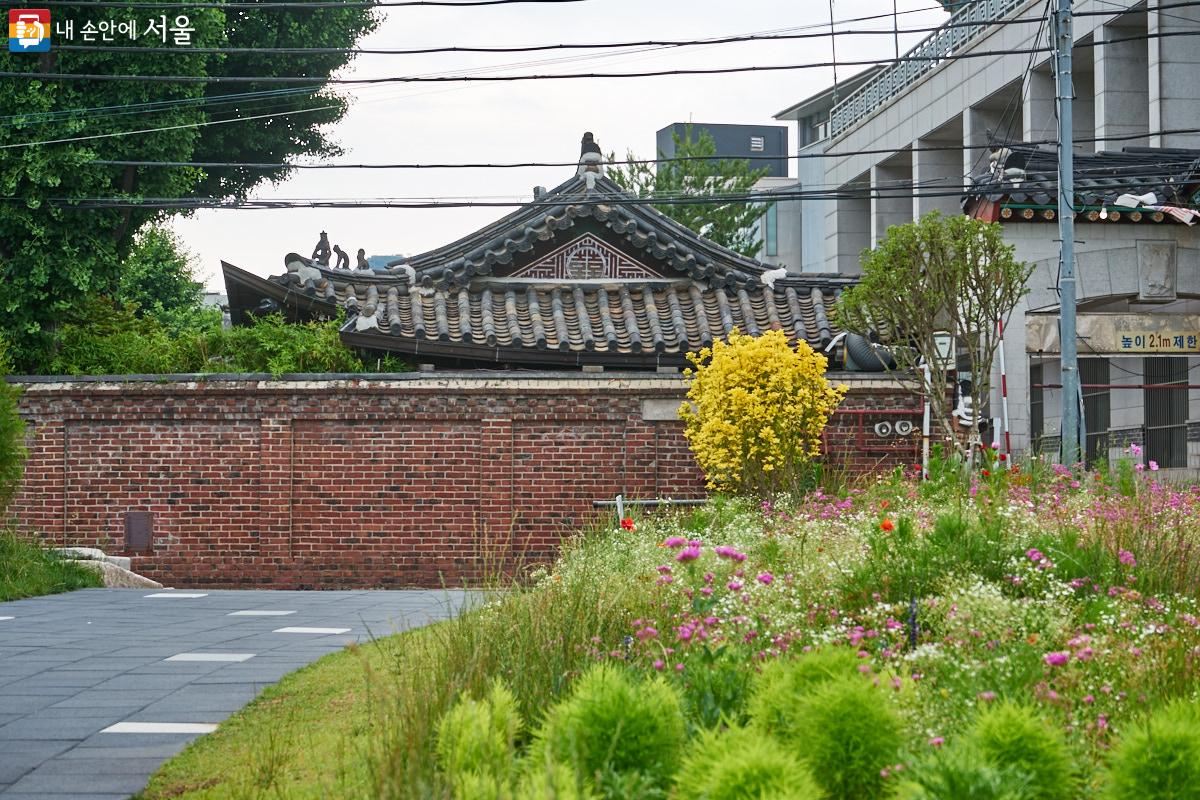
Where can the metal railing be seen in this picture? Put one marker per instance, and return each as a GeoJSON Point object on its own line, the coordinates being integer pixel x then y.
{"type": "Point", "coordinates": [970, 22]}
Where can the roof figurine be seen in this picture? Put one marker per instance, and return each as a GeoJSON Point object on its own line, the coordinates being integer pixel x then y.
{"type": "Point", "coordinates": [343, 258]}
{"type": "Point", "coordinates": [322, 251]}
{"type": "Point", "coordinates": [584, 274]}
{"type": "Point", "coordinates": [591, 161]}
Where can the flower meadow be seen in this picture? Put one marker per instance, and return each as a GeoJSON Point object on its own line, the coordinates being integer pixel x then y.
{"type": "Point", "coordinates": [1033, 633]}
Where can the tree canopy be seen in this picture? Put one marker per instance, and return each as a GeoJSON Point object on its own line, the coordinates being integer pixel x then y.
{"type": "Point", "coordinates": [939, 273]}
{"type": "Point", "coordinates": [56, 247]}
{"type": "Point", "coordinates": [699, 172]}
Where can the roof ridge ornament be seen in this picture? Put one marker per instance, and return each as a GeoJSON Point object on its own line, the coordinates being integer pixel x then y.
{"type": "Point", "coordinates": [591, 161]}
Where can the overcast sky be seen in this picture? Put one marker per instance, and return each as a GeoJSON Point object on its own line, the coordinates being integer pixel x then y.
{"type": "Point", "coordinates": [530, 120]}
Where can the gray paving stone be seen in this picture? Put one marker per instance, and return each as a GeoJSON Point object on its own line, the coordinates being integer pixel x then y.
{"type": "Point", "coordinates": [160, 751]}
{"type": "Point", "coordinates": [143, 765]}
{"type": "Point", "coordinates": [127, 699]}
{"type": "Point", "coordinates": [34, 728]}
{"type": "Point", "coordinates": [53, 780]}
{"type": "Point", "coordinates": [70, 665]}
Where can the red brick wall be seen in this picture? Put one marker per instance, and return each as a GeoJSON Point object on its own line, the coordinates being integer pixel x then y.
{"type": "Point", "coordinates": [415, 481]}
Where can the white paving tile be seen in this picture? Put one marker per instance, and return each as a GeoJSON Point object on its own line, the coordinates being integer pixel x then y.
{"type": "Point", "coordinates": [211, 657]}
{"type": "Point", "coordinates": [160, 727]}
{"type": "Point", "coordinates": [177, 594]}
{"type": "Point", "coordinates": [254, 612]}
{"type": "Point", "coordinates": [312, 630]}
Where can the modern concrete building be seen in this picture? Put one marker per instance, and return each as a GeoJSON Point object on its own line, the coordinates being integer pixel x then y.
{"type": "Point", "coordinates": [765, 145]}
{"type": "Point", "coordinates": [929, 121]}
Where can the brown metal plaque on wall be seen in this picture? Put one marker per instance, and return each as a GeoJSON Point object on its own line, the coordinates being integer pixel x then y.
{"type": "Point", "coordinates": [139, 531]}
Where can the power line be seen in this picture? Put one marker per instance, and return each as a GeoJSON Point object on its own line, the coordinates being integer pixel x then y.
{"type": "Point", "coordinates": [560, 76]}
{"type": "Point", "coordinates": [669, 43]}
{"type": "Point", "coordinates": [529, 164]}
{"type": "Point", "coordinates": [490, 78]}
{"type": "Point", "coordinates": [155, 105]}
{"type": "Point", "coordinates": [903, 190]}
{"type": "Point", "coordinates": [1018, 100]}
{"type": "Point", "coordinates": [182, 126]}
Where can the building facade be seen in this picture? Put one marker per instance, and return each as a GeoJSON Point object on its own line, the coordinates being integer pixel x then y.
{"type": "Point", "coordinates": [938, 121]}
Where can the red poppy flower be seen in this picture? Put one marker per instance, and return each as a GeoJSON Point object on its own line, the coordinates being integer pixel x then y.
{"type": "Point", "coordinates": [883, 504]}
{"type": "Point", "coordinates": [627, 524]}
{"type": "Point", "coordinates": [986, 474]}
{"type": "Point", "coordinates": [887, 525]}
{"type": "Point", "coordinates": [1003, 457]}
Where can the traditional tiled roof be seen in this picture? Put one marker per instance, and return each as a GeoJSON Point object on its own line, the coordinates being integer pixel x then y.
{"type": "Point", "coordinates": [1139, 182]}
{"type": "Point", "coordinates": [583, 274]}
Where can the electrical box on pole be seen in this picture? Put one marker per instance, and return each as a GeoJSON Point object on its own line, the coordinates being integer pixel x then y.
{"type": "Point", "coordinates": [1065, 92]}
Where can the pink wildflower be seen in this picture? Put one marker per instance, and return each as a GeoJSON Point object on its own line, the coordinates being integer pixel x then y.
{"type": "Point", "coordinates": [734, 586]}
{"type": "Point", "coordinates": [658, 664]}
{"type": "Point", "coordinates": [765, 578]}
{"type": "Point", "coordinates": [729, 552]}
{"type": "Point", "coordinates": [937, 741]}
{"type": "Point", "coordinates": [674, 542]}
{"type": "Point", "coordinates": [1153, 466]}
{"type": "Point", "coordinates": [1057, 659]}
{"type": "Point", "coordinates": [1126, 558]}
{"type": "Point", "coordinates": [689, 553]}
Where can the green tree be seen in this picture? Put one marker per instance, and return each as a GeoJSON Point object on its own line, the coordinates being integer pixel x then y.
{"type": "Point", "coordinates": [938, 273]}
{"type": "Point", "coordinates": [157, 276]}
{"type": "Point", "coordinates": [732, 225]}
{"type": "Point", "coordinates": [56, 246]}
{"type": "Point", "coordinates": [12, 437]}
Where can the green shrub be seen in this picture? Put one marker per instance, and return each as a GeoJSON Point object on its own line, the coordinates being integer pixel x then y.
{"type": "Point", "coordinates": [549, 781]}
{"type": "Point", "coordinates": [614, 727]}
{"type": "Point", "coordinates": [777, 691]}
{"type": "Point", "coordinates": [1160, 760]}
{"type": "Point", "coordinates": [960, 772]}
{"type": "Point", "coordinates": [742, 764]}
{"type": "Point", "coordinates": [477, 741]}
{"type": "Point", "coordinates": [106, 338]}
{"type": "Point", "coordinates": [12, 437]}
{"type": "Point", "coordinates": [1011, 735]}
{"type": "Point", "coordinates": [847, 734]}
{"type": "Point", "coordinates": [716, 685]}
{"type": "Point", "coordinates": [276, 346]}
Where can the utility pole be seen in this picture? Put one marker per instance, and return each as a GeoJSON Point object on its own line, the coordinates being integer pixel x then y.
{"type": "Point", "coordinates": [1071, 433]}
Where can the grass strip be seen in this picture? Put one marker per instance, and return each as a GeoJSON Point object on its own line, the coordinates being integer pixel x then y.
{"type": "Point", "coordinates": [27, 569]}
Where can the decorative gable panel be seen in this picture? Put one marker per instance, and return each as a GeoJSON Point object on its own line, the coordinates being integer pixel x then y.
{"type": "Point", "coordinates": [586, 258]}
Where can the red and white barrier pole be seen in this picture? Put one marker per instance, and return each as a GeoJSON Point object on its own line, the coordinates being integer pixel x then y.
{"type": "Point", "coordinates": [1007, 441]}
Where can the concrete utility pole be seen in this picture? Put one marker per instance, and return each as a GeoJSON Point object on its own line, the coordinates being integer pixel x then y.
{"type": "Point", "coordinates": [1072, 432]}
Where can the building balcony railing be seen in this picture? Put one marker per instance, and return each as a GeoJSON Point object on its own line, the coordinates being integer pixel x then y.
{"type": "Point", "coordinates": [965, 25]}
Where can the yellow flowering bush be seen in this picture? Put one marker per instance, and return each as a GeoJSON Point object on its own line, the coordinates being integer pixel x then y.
{"type": "Point", "coordinates": [757, 408]}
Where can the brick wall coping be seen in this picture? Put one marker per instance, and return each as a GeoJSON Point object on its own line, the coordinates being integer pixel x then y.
{"type": "Point", "coordinates": [464, 381]}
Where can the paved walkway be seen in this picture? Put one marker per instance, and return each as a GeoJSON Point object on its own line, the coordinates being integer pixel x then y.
{"type": "Point", "coordinates": [100, 686]}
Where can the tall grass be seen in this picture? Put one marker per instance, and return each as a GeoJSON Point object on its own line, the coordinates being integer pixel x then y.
{"type": "Point", "coordinates": [29, 570]}
{"type": "Point", "coordinates": [535, 640]}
